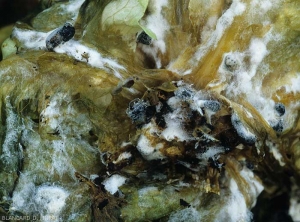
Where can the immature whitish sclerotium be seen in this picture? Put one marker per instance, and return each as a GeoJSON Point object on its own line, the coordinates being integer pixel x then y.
{"type": "Point", "coordinates": [59, 36]}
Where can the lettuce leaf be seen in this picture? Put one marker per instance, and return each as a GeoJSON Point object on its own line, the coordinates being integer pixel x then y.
{"type": "Point", "coordinates": [149, 32]}
{"type": "Point", "coordinates": [124, 16]}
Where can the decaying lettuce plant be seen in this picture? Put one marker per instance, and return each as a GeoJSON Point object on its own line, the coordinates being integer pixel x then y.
{"type": "Point", "coordinates": [154, 110]}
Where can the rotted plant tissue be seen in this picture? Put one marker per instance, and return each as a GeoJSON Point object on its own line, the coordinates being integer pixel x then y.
{"type": "Point", "coordinates": [152, 110]}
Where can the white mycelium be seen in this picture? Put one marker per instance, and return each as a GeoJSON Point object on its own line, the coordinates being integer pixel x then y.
{"type": "Point", "coordinates": [113, 183]}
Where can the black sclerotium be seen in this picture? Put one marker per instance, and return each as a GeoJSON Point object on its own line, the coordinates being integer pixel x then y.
{"type": "Point", "coordinates": [212, 105]}
{"type": "Point", "coordinates": [184, 93]}
{"type": "Point", "coordinates": [280, 109]}
{"type": "Point", "coordinates": [278, 127]}
{"type": "Point", "coordinates": [250, 165]}
{"type": "Point", "coordinates": [140, 111]}
{"type": "Point", "coordinates": [160, 116]}
{"type": "Point", "coordinates": [59, 36]}
{"type": "Point", "coordinates": [67, 32]}
{"type": "Point", "coordinates": [144, 38]}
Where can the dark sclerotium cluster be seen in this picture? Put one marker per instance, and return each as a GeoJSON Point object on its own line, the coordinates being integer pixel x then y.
{"type": "Point", "coordinates": [59, 36]}
{"type": "Point", "coordinates": [184, 93]}
{"type": "Point", "coordinates": [140, 111]}
{"type": "Point", "coordinates": [278, 125]}
{"type": "Point", "coordinates": [212, 105]}
{"type": "Point", "coordinates": [212, 130]}
{"type": "Point", "coordinates": [144, 38]}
